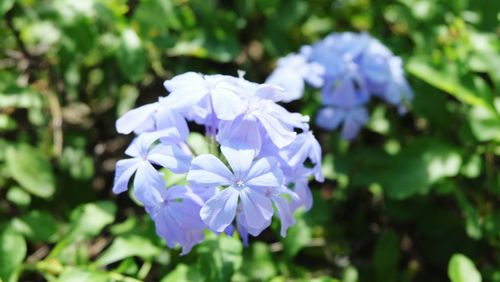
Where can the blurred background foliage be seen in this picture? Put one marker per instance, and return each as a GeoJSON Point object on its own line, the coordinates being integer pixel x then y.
{"type": "Point", "coordinates": [413, 198]}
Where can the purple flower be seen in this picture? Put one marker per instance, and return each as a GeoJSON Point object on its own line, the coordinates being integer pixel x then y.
{"type": "Point", "coordinates": [153, 117]}
{"type": "Point", "coordinates": [348, 90]}
{"type": "Point", "coordinates": [298, 179]}
{"type": "Point", "coordinates": [292, 71]}
{"type": "Point", "coordinates": [354, 67]}
{"type": "Point", "coordinates": [176, 217]}
{"type": "Point", "coordinates": [144, 156]}
{"type": "Point", "coordinates": [352, 119]}
{"type": "Point", "coordinates": [257, 139]}
{"type": "Point", "coordinates": [190, 89]}
{"type": "Point", "coordinates": [262, 117]}
{"type": "Point", "coordinates": [398, 90]}
{"type": "Point", "coordinates": [246, 182]}
{"type": "Point", "coordinates": [304, 147]}
{"type": "Point", "coordinates": [374, 65]}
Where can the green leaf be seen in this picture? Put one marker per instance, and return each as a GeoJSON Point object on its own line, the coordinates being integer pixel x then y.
{"type": "Point", "coordinates": [321, 279]}
{"type": "Point", "coordinates": [198, 143]}
{"type": "Point", "coordinates": [418, 166]}
{"type": "Point", "coordinates": [131, 56]}
{"type": "Point", "coordinates": [79, 165]}
{"type": "Point", "coordinates": [183, 273]}
{"type": "Point", "coordinates": [5, 6]}
{"type": "Point", "coordinates": [31, 170]}
{"type": "Point", "coordinates": [418, 67]}
{"type": "Point", "coordinates": [386, 257]}
{"type": "Point", "coordinates": [89, 219]}
{"type": "Point", "coordinates": [130, 246]}
{"type": "Point", "coordinates": [219, 258]}
{"type": "Point", "coordinates": [258, 262]}
{"type": "Point", "coordinates": [18, 196]}
{"type": "Point", "coordinates": [297, 237]}
{"type": "Point", "coordinates": [485, 125]}
{"type": "Point", "coordinates": [74, 274]}
{"type": "Point", "coordinates": [462, 269]}
{"type": "Point", "coordinates": [37, 226]}
{"type": "Point", "coordinates": [12, 253]}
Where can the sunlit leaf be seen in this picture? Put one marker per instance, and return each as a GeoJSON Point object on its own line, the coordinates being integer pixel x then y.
{"type": "Point", "coordinates": [37, 226]}
{"type": "Point", "coordinates": [31, 169]}
{"type": "Point", "coordinates": [441, 80]}
{"type": "Point", "coordinates": [130, 246]}
{"type": "Point", "coordinates": [12, 253]}
{"type": "Point", "coordinates": [219, 258]}
{"type": "Point", "coordinates": [131, 56]}
{"type": "Point", "coordinates": [89, 219]}
{"type": "Point", "coordinates": [462, 269]}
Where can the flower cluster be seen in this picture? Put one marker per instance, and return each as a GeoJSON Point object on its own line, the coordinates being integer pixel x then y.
{"type": "Point", "coordinates": [350, 68]}
{"type": "Point", "coordinates": [259, 166]}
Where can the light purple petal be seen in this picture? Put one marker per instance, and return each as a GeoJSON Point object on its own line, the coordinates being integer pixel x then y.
{"type": "Point", "coordinates": [171, 157]}
{"type": "Point", "coordinates": [124, 171]}
{"type": "Point", "coordinates": [136, 118]}
{"type": "Point", "coordinates": [265, 173]}
{"type": "Point", "coordinates": [140, 145]}
{"type": "Point", "coordinates": [257, 208]}
{"type": "Point", "coordinates": [227, 104]}
{"type": "Point", "coordinates": [290, 80]}
{"type": "Point", "coordinates": [242, 130]}
{"type": "Point", "coordinates": [305, 196]}
{"type": "Point", "coordinates": [147, 183]}
{"type": "Point", "coordinates": [330, 118]}
{"type": "Point", "coordinates": [186, 90]}
{"type": "Point", "coordinates": [220, 210]}
{"type": "Point", "coordinates": [171, 119]}
{"type": "Point", "coordinates": [244, 229]}
{"type": "Point", "coordinates": [177, 218]}
{"type": "Point", "coordinates": [278, 134]}
{"type": "Point", "coordinates": [355, 119]}
{"type": "Point", "coordinates": [285, 213]}
{"type": "Point", "coordinates": [207, 170]}
{"type": "Point", "coordinates": [239, 157]}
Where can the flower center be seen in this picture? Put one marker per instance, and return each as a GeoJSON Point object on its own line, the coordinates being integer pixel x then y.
{"type": "Point", "coordinates": [239, 183]}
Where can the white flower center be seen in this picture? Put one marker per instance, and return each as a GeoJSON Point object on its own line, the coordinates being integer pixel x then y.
{"type": "Point", "coordinates": [239, 183]}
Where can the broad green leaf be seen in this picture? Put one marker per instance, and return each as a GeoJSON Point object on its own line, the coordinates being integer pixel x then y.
{"type": "Point", "coordinates": [485, 125]}
{"type": "Point", "coordinates": [89, 219]}
{"type": "Point", "coordinates": [183, 273]}
{"type": "Point", "coordinates": [19, 196]}
{"type": "Point", "coordinates": [297, 237]}
{"type": "Point", "coordinates": [37, 226]}
{"type": "Point", "coordinates": [131, 56]}
{"type": "Point", "coordinates": [441, 80]}
{"type": "Point", "coordinates": [31, 169]}
{"type": "Point", "coordinates": [7, 123]}
{"type": "Point", "coordinates": [219, 258]}
{"type": "Point", "coordinates": [148, 12]}
{"type": "Point", "coordinates": [5, 6]}
{"type": "Point", "coordinates": [130, 246]}
{"type": "Point", "coordinates": [74, 274]}
{"type": "Point", "coordinates": [12, 253]}
{"type": "Point", "coordinates": [462, 269]}
{"type": "Point", "coordinates": [258, 262]}
{"type": "Point", "coordinates": [79, 165]}
{"type": "Point", "coordinates": [418, 166]}
{"type": "Point", "coordinates": [198, 143]}
{"type": "Point", "coordinates": [386, 257]}
{"type": "Point", "coordinates": [321, 279]}
{"type": "Point", "coordinates": [127, 97]}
